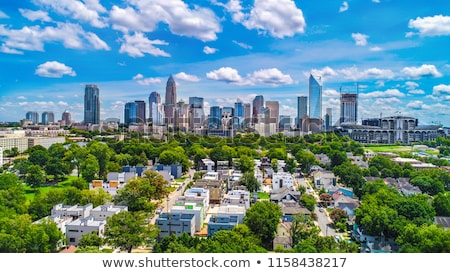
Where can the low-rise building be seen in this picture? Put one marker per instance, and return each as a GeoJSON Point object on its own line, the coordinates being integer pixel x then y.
{"type": "Point", "coordinates": [282, 180]}
{"type": "Point", "coordinates": [76, 229]}
{"type": "Point", "coordinates": [175, 223]}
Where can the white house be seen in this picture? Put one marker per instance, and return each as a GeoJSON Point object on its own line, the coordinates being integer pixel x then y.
{"type": "Point", "coordinates": [76, 229]}
{"type": "Point", "coordinates": [190, 208]}
{"type": "Point", "coordinates": [282, 180]}
{"type": "Point", "coordinates": [238, 198]}
{"type": "Point", "coordinates": [102, 212]}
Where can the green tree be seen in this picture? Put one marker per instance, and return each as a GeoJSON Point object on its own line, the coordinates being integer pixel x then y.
{"type": "Point", "coordinates": [308, 201]}
{"type": "Point", "coordinates": [424, 239]}
{"type": "Point", "coordinates": [263, 218]}
{"type": "Point", "coordinates": [246, 164]}
{"type": "Point", "coordinates": [89, 168]}
{"type": "Point", "coordinates": [76, 155]}
{"type": "Point", "coordinates": [35, 177]}
{"type": "Point", "coordinates": [303, 228]}
{"type": "Point", "coordinates": [90, 239]}
{"type": "Point", "coordinates": [249, 180]}
{"type": "Point", "coordinates": [126, 230]}
{"type": "Point", "coordinates": [441, 204]}
{"type": "Point", "coordinates": [305, 160]}
{"type": "Point", "coordinates": [291, 165]}
{"type": "Point", "coordinates": [102, 153]}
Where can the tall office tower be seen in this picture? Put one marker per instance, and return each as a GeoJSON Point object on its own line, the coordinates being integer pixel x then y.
{"type": "Point", "coordinates": [130, 113]}
{"type": "Point", "coordinates": [91, 104]}
{"type": "Point", "coordinates": [196, 113]}
{"type": "Point", "coordinates": [181, 116]}
{"type": "Point", "coordinates": [258, 105]}
{"type": "Point", "coordinates": [66, 118]}
{"type": "Point", "coordinates": [156, 109]}
{"type": "Point", "coordinates": [315, 97]}
{"type": "Point", "coordinates": [302, 110]}
{"type": "Point", "coordinates": [349, 108]}
{"type": "Point", "coordinates": [285, 123]}
{"type": "Point", "coordinates": [215, 117]}
{"type": "Point", "coordinates": [273, 108]}
{"type": "Point", "coordinates": [247, 115]}
{"type": "Point", "coordinates": [141, 110]}
{"type": "Point", "coordinates": [48, 117]}
{"type": "Point", "coordinates": [33, 116]}
{"type": "Point", "coordinates": [238, 114]}
{"type": "Point", "coordinates": [171, 100]}
{"type": "Point", "coordinates": [328, 119]}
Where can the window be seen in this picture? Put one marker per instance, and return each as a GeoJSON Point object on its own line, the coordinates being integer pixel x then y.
{"type": "Point", "coordinates": [72, 240]}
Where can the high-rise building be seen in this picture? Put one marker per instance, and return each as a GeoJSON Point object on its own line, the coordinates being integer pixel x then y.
{"type": "Point", "coordinates": [156, 109]}
{"type": "Point", "coordinates": [349, 108]}
{"type": "Point", "coordinates": [247, 115]}
{"type": "Point", "coordinates": [33, 116]}
{"type": "Point", "coordinates": [328, 119]}
{"type": "Point", "coordinates": [273, 113]}
{"type": "Point", "coordinates": [238, 118]}
{"type": "Point", "coordinates": [196, 113]}
{"type": "Point", "coordinates": [141, 110]}
{"type": "Point", "coordinates": [48, 117]}
{"type": "Point", "coordinates": [91, 104]}
{"type": "Point", "coordinates": [130, 113]}
{"type": "Point", "coordinates": [315, 96]}
{"type": "Point", "coordinates": [171, 100]}
{"type": "Point", "coordinates": [258, 105]}
{"type": "Point", "coordinates": [285, 123]}
{"type": "Point", "coordinates": [215, 117]}
{"type": "Point", "coordinates": [302, 110]}
{"type": "Point", "coordinates": [66, 118]}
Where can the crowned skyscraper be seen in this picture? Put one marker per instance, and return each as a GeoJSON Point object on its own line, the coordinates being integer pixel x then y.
{"type": "Point", "coordinates": [315, 97]}
{"type": "Point", "coordinates": [91, 104]}
{"type": "Point", "coordinates": [171, 100]}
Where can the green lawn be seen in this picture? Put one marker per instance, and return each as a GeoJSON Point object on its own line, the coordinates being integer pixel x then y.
{"type": "Point", "coordinates": [30, 192]}
{"type": "Point", "coordinates": [263, 195]}
{"type": "Point", "coordinates": [388, 148]}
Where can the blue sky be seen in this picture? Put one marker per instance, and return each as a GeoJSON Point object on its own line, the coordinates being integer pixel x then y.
{"type": "Point", "coordinates": [396, 52]}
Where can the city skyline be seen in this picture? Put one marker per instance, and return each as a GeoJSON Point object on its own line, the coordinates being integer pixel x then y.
{"type": "Point", "coordinates": [394, 53]}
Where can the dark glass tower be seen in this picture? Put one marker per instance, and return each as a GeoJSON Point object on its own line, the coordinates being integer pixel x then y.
{"type": "Point", "coordinates": [91, 104]}
{"type": "Point", "coordinates": [302, 109]}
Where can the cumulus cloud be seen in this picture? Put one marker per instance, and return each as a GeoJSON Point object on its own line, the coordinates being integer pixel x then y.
{"type": "Point", "coordinates": [140, 79]}
{"type": "Point", "coordinates": [390, 93]}
{"type": "Point", "coordinates": [353, 73]}
{"type": "Point", "coordinates": [138, 45]}
{"type": "Point", "coordinates": [186, 77]}
{"type": "Point", "coordinates": [278, 18]}
{"type": "Point", "coordinates": [376, 49]}
{"type": "Point", "coordinates": [226, 74]}
{"type": "Point", "coordinates": [33, 38]}
{"type": "Point", "coordinates": [331, 93]}
{"type": "Point", "coordinates": [54, 69]}
{"type": "Point", "coordinates": [234, 7]}
{"type": "Point", "coordinates": [324, 72]}
{"type": "Point", "coordinates": [200, 23]}
{"type": "Point", "coordinates": [376, 1]}
{"type": "Point", "coordinates": [209, 50]}
{"type": "Point", "coordinates": [425, 70]}
{"type": "Point", "coordinates": [360, 39]}
{"type": "Point", "coordinates": [270, 76]}
{"type": "Point", "coordinates": [441, 89]}
{"type": "Point", "coordinates": [37, 15]}
{"type": "Point", "coordinates": [87, 12]}
{"type": "Point", "coordinates": [438, 25]}
{"type": "Point", "coordinates": [417, 105]}
{"type": "Point", "coordinates": [343, 7]}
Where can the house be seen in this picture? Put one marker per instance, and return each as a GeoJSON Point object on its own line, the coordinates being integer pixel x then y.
{"type": "Point", "coordinates": [346, 203]}
{"type": "Point", "coordinates": [175, 223]}
{"type": "Point", "coordinates": [198, 210]}
{"type": "Point", "coordinates": [283, 238]}
{"type": "Point", "coordinates": [102, 212]}
{"type": "Point", "coordinates": [324, 179]}
{"type": "Point", "coordinates": [281, 180]}
{"type": "Point", "coordinates": [174, 169]}
{"type": "Point", "coordinates": [238, 198]}
{"type": "Point", "coordinates": [291, 208]}
{"type": "Point", "coordinates": [215, 188]}
{"type": "Point", "coordinates": [285, 193]}
{"type": "Point", "coordinates": [76, 229]}
{"type": "Point", "coordinates": [206, 164]}
{"type": "Point", "coordinates": [226, 218]}
{"type": "Point", "coordinates": [195, 195]}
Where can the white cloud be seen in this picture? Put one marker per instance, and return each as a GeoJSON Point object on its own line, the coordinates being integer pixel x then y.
{"type": "Point", "coordinates": [353, 73]}
{"type": "Point", "coordinates": [324, 72]}
{"type": "Point", "coordinates": [278, 18]}
{"type": "Point", "coordinates": [21, 98]}
{"type": "Point", "coordinates": [331, 93]}
{"type": "Point", "coordinates": [271, 76]}
{"type": "Point", "coordinates": [234, 7]}
{"type": "Point", "coordinates": [425, 70]}
{"type": "Point", "coordinates": [243, 45]}
{"type": "Point", "coordinates": [3, 15]}
{"type": "Point", "coordinates": [54, 69]}
{"type": "Point", "coordinates": [200, 23]}
{"type": "Point", "coordinates": [360, 39]}
{"type": "Point", "coordinates": [63, 103]}
{"type": "Point", "coordinates": [417, 105]}
{"type": "Point", "coordinates": [7, 50]}
{"type": "Point", "coordinates": [438, 25]}
{"type": "Point", "coordinates": [390, 93]}
{"type": "Point", "coordinates": [411, 85]}
{"type": "Point", "coordinates": [343, 7]}
{"type": "Point", "coordinates": [416, 92]}
{"type": "Point", "coordinates": [226, 74]}
{"type": "Point", "coordinates": [138, 45]}
{"type": "Point", "coordinates": [88, 13]}
{"type": "Point", "coordinates": [140, 79]}
{"type": "Point", "coordinates": [209, 50]}
{"type": "Point", "coordinates": [33, 38]}
{"type": "Point", "coordinates": [441, 89]}
{"type": "Point", "coordinates": [186, 77]}
{"type": "Point", "coordinates": [37, 15]}
{"type": "Point", "coordinates": [376, 49]}
{"type": "Point", "coordinates": [376, 1]}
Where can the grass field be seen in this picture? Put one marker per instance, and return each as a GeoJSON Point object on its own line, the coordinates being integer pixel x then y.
{"type": "Point", "coordinates": [389, 148]}
{"type": "Point", "coordinates": [30, 192]}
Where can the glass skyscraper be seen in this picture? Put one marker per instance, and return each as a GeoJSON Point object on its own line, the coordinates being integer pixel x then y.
{"type": "Point", "coordinates": [302, 109]}
{"type": "Point", "coordinates": [48, 117]}
{"type": "Point", "coordinates": [215, 117]}
{"type": "Point", "coordinates": [141, 116]}
{"type": "Point", "coordinates": [91, 104]}
{"type": "Point", "coordinates": [130, 113]}
{"type": "Point", "coordinates": [171, 100]}
{"type": "Point", "coordinates": [33, 116]}
{"type": "Point", "coordinates": [156, 111]}
{"type": "Point", "coordinates": [349, 108]}
{"type": "Point", "coordinates": [315, 97]}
